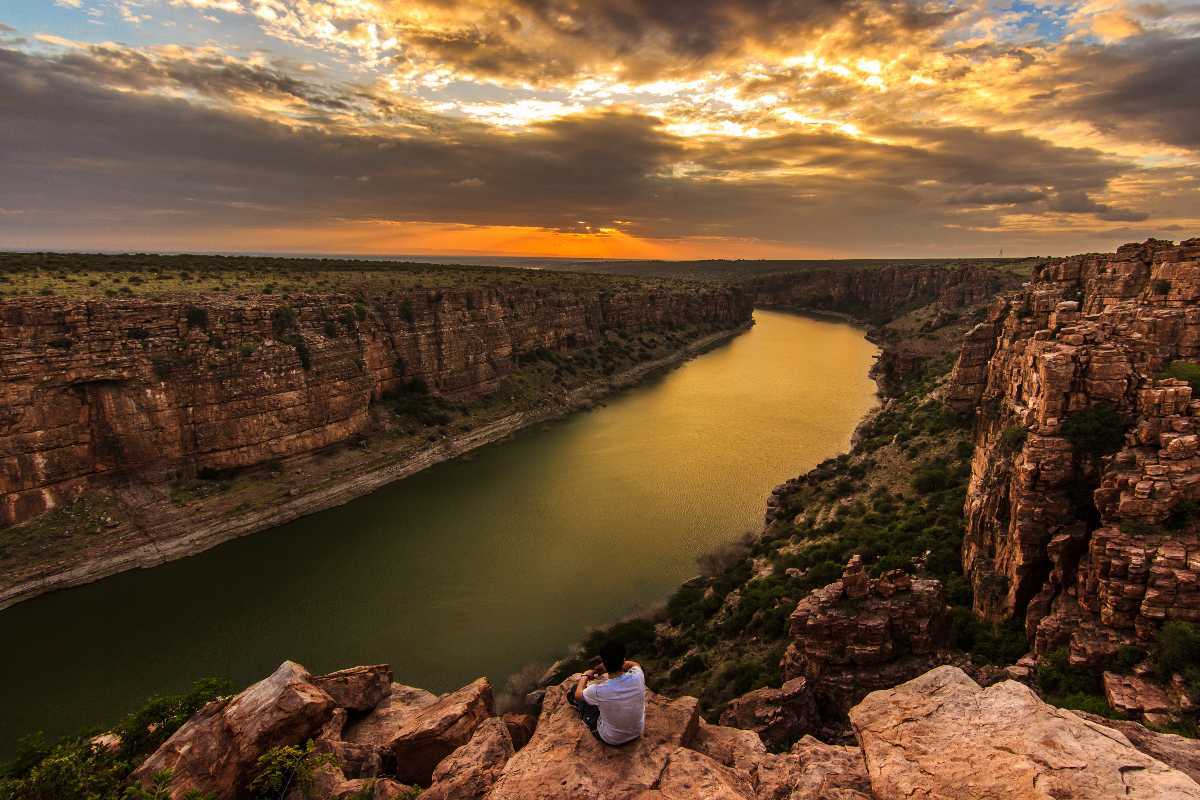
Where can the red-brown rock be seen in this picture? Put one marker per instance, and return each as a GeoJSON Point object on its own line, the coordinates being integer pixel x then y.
{"type": "Point", "coordinates": [215, 751]}
{"type": "Point", "coordinates": [357, 688]}
{"type": "Point", "coordinates": [437, 730]}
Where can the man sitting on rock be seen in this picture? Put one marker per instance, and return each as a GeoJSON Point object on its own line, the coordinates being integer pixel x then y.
{"type": "Point", "coordinates": [615, 709]}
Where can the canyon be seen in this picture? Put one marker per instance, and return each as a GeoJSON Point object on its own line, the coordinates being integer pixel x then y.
{"type": "Point", "coordinates": [152, 429]}
{"type": "Point", "coordinates": [969, 603]}
{"type": "Point", "coordinates": [1070, 530]}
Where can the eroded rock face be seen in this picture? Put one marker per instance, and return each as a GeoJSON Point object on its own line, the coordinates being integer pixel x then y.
{"type": "Point", "coordinates": [778, 716]}
{"type": "Point", "coordinates": [216, 749]}
{"type": "Point", "coordinates": [470, 771]}
{"type": "Point", "coordinates": [93, 391]}
{"type": "Point", "coordinates": [941, 736]}
{"type": "Point", "coordinates": [1076, 544]}
{"type": "Point", "coordinates": [1175, 751]}
{"type": "Point", "coordinates": [813, 770]}
{"type": "Point", "coordinates": [860, 634]}
{"type": "Point", "coordinates": [437, 730]}
{"type": "Point", "coordinates": [357, 688]}
{"type": "Point", "coordinates": [380, 726]}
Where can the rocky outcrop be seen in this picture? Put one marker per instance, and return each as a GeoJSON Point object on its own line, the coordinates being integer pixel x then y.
{"type": "Point", "coordinates": [861, 633]}
{"type": "Point", "coordinates": [1175, 751]}
{"type": "Point", "coordinates": [942, 737]}
{"type": "Point", "coordinates": [1086, 545]}
{"type": "Point", "coordinates": [437, 730]}
{"type": "Point", "coordinates": [779, 716]}
{"type": "Point", "coordinates": [214, 752]}
{"type": "Point", "coordinates": [99, 391]}
{"type": "Point", "coordinates": [469, 772]}
{"type": "Point", "coordinates": [357, 688]}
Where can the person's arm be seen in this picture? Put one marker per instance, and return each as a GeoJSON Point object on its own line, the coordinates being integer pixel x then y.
{"type": "Point", "coordinates": [582, 684]}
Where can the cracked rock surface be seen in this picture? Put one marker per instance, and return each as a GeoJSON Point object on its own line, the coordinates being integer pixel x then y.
{"type": "Point", "coordinates": [942, 736]}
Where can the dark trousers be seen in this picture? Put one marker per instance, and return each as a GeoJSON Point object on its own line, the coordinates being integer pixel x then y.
{"type": "Point", "coordinates": [589, 712]}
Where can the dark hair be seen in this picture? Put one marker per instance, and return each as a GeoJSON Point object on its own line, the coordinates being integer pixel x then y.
{"type": "Point", "coordinates": [613, 655]}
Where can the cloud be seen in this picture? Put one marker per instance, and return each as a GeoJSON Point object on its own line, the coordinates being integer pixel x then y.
{"type": "Point", "coordinates": [1146, 87]}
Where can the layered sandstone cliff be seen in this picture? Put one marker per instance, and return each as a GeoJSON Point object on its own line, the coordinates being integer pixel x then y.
{"type": "Point", "coordinates": [101, 390]}
{"type": "Point", "coordinates": [1086, 458]}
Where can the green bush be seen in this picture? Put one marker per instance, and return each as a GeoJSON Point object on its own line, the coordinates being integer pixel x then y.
{"type": "Point", "coordinates": [1178, 650]}
{"type": "Point", "coordinates": [1095, 432]}
{"type": "Point", "coordinates": [283, 769]}
{"type": "Point", "coordinates": [1185, 371]}
{"type": "Point", "coordinates": [406, 311]}
{"type": "Point", "coordinates": [1057, 678]}
{"type": "Point", "coordinates": [283, 319]}
{"type": "Point", "coordinates": [1013, 438]}
{"type": "Point", "coordinates": [1161, 286]}
{"type": "Point", "coordinates": [196, 317]}
{"type": "Point", "coordinates": [989, 643]}
{"type": "Point", "coordinates": [73, 768]}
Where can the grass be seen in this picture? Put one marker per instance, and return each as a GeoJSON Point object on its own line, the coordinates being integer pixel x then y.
{"type": "Point", "coordinates": [80, 276]}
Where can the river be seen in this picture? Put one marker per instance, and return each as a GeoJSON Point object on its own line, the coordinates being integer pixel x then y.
{"type": "Point", "coordinates": [474, 567]}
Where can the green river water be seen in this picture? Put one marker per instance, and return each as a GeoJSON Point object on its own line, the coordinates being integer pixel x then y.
{"type": "Point", "coordinates": [474, 567]}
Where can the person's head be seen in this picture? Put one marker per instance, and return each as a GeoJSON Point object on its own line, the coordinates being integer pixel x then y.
{"type": "Point", "coordinates": [613, 656]}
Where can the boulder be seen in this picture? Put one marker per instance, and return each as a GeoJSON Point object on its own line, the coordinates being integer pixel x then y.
{"type": "Point", "coordinates": [738, 749]}
{"type": "Point", "coordinates": [379, 727]}
{"type": "Point", "coordinates": [564, 759]}
{"type": "Point", "coordinates": [329, 783]}
{"type": "Point", "coordinates": [355, 760]}
{"type": "Point", "coordinates": [1134, 696]}
{"type": "Point", "coordinates": [215, 751]}
{"type": "Point", "coordinates": [778, 716]}
{"type": "Point", "coordinates": [1175, 751]}
{"type": "Point", "coordinates": [690, 775]}
{"type": "Point", "coordinates": [470, 771]}
{"type": "Point", "coordinates": [357, 688]}
{"type": "Point", "coordinates": [437, 730]}
{"type": "Point", "coordinates": [942, 736]}
{"type": "Point", "coordinates": [813, 770]}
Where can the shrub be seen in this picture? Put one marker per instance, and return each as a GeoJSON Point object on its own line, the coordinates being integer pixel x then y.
{"type": "Point", "coordinates": [283, 319]}
{"type": "Point", "coordinates": [301, 347]}
{"type": "Point", "coordinates": [1182, 514]}
{"type": "Point", "coordinates": [1095, 432]}
{"type": "Point", "coordinates": [1013, 438]}
{"type": "Point", "coordinates": [360, 311]}
{"type": "Point", "coordinates": [1057, 678]}
{"type": "Point", "coordinates": [196, 317]}
{"type": "Point", "coordinates": [1161, 286]}
{"type": "Point", "coordinates": [282, 769]}
{"type": "Point", "coordinates": [931, 478]}
{"type": "Point", "coordinates": [1178, 650]}
{"type": "Point", "coordinates": [330, 329]}
{"type": "Point", "coordinates": [1185, 371]}
{"type": "Point", "coordinates": [406, 311]}
{"type": "Point", "coordinates": [989, 643]}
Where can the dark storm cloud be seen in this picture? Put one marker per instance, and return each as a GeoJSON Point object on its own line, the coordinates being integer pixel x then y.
{"type": "Point", "coordinates": [652, 38]}
{"type": "Point", "coordinates": [1081, 203]}
{"type": "Point", "coordinates": [75, 151]}
{"type": "Point", "coordinates": [989, 196]}
{"type": "Point", "coordinates": [1148, 86]}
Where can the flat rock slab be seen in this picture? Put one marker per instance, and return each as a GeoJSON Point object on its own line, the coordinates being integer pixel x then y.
{"type": "Point", "coordinates": [564, 761]}
{"type": "Point", "coordinates": [942, 737]}
{"type": "Point", "coordinates": [357, 688]}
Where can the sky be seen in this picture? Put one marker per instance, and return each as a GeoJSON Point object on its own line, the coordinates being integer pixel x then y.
{"type": "Point", "coordinates": [610, 128]}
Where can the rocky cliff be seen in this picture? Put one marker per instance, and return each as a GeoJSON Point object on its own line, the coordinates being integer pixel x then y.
{"type": "Point", "coordinates": [101, 390]}
{"type": "Point", "coordinates": [939, 736]}
{"type": "Point", "coordinates": [1080, 510]}
{"type": "Point", "coordinates": [916, 313]}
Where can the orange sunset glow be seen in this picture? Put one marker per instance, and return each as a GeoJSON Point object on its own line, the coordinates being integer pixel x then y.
{"type": "Point", "coordinates": [616, 128]}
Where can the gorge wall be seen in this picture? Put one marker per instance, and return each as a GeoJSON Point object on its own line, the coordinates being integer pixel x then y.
{"type": "Point", "coordinates": [1078, 513]}
{"type": "Point", "coordinates": [871, 293]}
{"type": "Point", "coordinates": [94, 391]}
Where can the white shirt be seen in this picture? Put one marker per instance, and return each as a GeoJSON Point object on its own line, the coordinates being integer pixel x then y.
{"type": "Point", "coordinates": [622, 704]}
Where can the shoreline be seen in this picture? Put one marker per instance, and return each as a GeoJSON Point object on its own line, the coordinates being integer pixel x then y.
{"type": "Point", "coordinates": [180, 531]}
